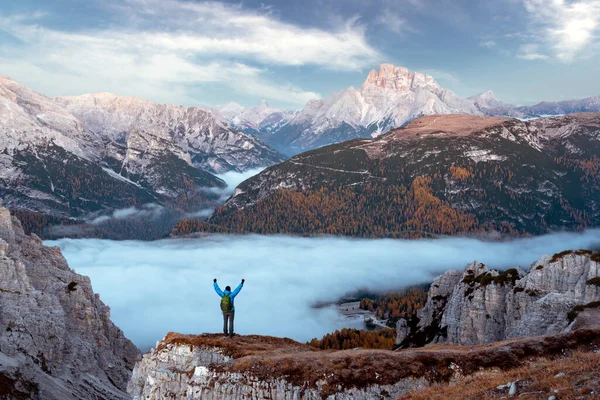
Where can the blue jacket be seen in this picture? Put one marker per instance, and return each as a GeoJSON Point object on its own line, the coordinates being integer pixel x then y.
{"type": "Point", "coordinates": [231, 294]}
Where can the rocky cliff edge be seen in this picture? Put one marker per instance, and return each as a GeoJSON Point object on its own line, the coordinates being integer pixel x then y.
{"type": "Point", "coordinates": [211, 367]}
{"type": "Point", "coordinates": [56, 337]}
{"type": "Point", "coordinates": [558, 293]}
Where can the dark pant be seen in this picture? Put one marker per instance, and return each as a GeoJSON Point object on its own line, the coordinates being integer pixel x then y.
{"type": "Point", "coordinates": [228, 316]}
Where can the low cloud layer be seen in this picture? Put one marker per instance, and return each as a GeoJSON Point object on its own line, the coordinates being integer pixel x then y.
{"type": "Point", "coordinates": [157, 287]}
{"type": "Point", "coordinates": [149, 210]}
{"type": "Point", "coordinates": [232, 179]}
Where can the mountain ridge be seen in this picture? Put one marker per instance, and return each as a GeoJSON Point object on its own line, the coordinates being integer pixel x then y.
{"type": "Point", "coordinates": [388, 98]}
{"type": "Point", "coordinates": [72, 156]}
{"type": "Point", "coordinates": [440, 174]}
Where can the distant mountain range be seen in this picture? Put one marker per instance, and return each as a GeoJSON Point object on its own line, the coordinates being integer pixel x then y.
{"type": "Point", "coordinates": [258, 120]}
{"type": "Point", "coordinates": [439, 175]}
{"type": "Point", "coordinates": [70, 156]}
{"type": "Point", "coordinates": [85, 156]}
{"type": "Point", "coordinates": [389, 98]}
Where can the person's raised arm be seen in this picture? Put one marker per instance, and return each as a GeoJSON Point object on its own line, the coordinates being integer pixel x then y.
{"type": "Point", "coordinates": [237, 289]}
{"type": "Point", "coordinates": [217, 288]}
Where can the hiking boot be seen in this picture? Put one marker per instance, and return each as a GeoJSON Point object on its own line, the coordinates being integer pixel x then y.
{"type": "Point", "coordinates": [231, 334]}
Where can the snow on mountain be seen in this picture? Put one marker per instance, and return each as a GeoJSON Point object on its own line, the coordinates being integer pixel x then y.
{"type": "Point", "coordinates": [28, 118]}
{"type": "Point", "coordinates": [261, 119]}
{"type": "Point", "coordinates": [545, 108]}
{"type": "Point", "coordinates": [134, 128]}
{"type": "Point", "coordinates": [74, 155]}
{"type": "Point", "coordinates": [488, 104]}
{"type": "Point", "coordinates": [46, 155]}
{"type": "Point", "coordinates": [230, 110]}
{"type": "Point", "coordinates": [486, 99]}
{"type": "Point", "coordinates": [389, 97]}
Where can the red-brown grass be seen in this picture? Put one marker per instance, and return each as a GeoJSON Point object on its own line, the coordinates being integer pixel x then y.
{"type": "Point", "coordinates": [267, 358]}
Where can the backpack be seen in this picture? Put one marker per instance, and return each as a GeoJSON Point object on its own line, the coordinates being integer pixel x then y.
{"type": "Point", "coordinates": [226, 303]}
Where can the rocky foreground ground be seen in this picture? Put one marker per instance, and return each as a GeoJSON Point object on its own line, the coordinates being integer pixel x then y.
{"type": "Point", "coordinates": [259, 367]}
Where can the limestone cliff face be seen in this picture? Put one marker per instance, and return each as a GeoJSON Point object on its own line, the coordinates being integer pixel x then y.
{"type": "Point", "coordinates": [56, 337]}
{"type": "Point", "coordinates": [480, 305]}
{"type": "Point", "coordinates": [209, 367]}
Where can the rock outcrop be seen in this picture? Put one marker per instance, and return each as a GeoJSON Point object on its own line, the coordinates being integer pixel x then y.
{"type": "Point", "coordinates": [56, 337]}
{"type": "Point", "coordinates": [479, 305]}
{"type": "Point", "coordinates": [210, 367]}
{"type": "Point", "coordinates": [259, 367]}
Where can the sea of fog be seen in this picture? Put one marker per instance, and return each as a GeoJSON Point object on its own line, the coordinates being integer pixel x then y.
{"type": "Point", "coordinates": [157, 287]}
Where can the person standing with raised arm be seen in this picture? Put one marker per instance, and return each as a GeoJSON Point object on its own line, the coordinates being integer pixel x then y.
{"type": "Point", "coordinates": [227, 307]}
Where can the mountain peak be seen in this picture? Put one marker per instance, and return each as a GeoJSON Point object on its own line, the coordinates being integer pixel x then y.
{"type": "Point", "coordinates": [488, 100]}
{"type": "Point", "coordinates": [488, 95]}
{"type": "Point", "coordinates": [263, 105]}
{"type": "Point", "coordinates": [398, 78]}
{"type": "Point", "coordinates": [389, 76]}
{"type": "Point", "coordinates": [230, 110]}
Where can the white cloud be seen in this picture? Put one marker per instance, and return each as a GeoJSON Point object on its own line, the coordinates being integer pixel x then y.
{"type": "Point", "coordinates": [173, 45]}
{"type": "Point", "coordinates": [149, 210]}
{"type": "Point", "coordinates": [566, 27]}
{"type": "Point", "coordinates": [161, 286]}
{"type": "Point", "coordinates": [530, 52]}
{"type": "Point", "coordinates": [392, 21]}
{"type": "Point", "coordinates": [232, 179]}
{"type": "Point", "coordinates": [216, 28]}
{"type": "Point", "coordinates": [490, 44]}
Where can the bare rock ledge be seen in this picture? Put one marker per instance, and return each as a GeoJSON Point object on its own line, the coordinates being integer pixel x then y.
{"type": "Point", "coordinates": [211, 367]}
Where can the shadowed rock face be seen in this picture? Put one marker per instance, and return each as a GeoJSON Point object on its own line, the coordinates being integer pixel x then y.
{"type": "Point", "coordinates": [481, 305]}
{"type": "Point", "coordinates": [56, 337]}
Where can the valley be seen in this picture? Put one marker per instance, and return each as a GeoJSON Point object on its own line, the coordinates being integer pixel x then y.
{"type": "Point", "coordinates": [116, 167]}
{"type": "Point", "coordinates": [315, 200]}
{"type": "Point", "coordinates": [494, 329]}
{"type": "Point", "coordinates": [154, 201]}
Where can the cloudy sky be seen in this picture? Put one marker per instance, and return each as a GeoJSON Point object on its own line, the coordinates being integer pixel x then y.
{"type": "Point", "coordinates": [288, 52]}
